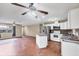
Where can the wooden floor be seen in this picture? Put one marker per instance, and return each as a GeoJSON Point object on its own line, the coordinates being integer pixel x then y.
{"type": "Point", "coordinates": [26, 46]}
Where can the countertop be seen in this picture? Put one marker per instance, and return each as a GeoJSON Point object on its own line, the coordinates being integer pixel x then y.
{"type": "Point", "coordinates": [71, 39]}
{"type": "Point", "coordinates": [41, 34]}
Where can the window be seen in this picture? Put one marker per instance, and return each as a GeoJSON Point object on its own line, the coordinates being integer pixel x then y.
{"type": "Point", "coordinates": [5, 29]}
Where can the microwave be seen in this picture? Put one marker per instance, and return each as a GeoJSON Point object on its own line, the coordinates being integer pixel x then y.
{"type": "Point", "coordinates": [56, 27]}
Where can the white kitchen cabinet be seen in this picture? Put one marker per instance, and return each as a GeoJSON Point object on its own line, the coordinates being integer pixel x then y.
{"type": "Point", "coordinates": [73, 17]}
{"type": "Point", "coordinates": [63, 25]}
{"type": "Point", "coordinates": [41, 41]}
{"type": "Point", "coordinates": [69, 49]}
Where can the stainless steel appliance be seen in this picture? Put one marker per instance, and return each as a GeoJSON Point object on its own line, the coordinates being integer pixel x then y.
{"type": "Point", "coordinates": [45, 30]}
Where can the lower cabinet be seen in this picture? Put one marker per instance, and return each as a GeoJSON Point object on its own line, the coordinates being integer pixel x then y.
{"type": "Point", "coordinates": [69, 49]}
{"type": "Point", "coordinates": [41, 41]}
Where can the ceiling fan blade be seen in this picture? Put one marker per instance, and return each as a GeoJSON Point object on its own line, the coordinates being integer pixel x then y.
{"type": "Point", "coordinates": [45, 12]}
{"type": "Point", "coordinates": [24, 13]}
{"type": "Point", "coordinates": [19, 5]}
{"type": "Point", "coordinates": [31, 4]}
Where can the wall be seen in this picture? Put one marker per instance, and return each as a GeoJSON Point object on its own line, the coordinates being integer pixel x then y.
{"type": "Point", "coordinates": [32, 30]}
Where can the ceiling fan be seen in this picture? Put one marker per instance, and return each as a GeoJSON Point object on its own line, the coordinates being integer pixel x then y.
{"type": "Point", "coordinates": [30, 7]}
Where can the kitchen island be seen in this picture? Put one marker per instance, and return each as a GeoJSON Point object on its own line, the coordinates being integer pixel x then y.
{"type": "Point", "coordinates": [41, 40]}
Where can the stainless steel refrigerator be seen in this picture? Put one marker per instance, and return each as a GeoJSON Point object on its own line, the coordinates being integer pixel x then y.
{"type": "Point", "coordinates": [45, 30]}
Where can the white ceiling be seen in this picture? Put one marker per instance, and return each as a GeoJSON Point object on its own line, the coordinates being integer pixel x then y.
{"type": "Point", "coordinates": [10, 13]}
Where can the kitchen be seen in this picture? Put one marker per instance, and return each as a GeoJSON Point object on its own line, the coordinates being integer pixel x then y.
{"type": "Point", "coordinates": [66, 32]}
{"type": "Point", "coordinates": [54, 32]}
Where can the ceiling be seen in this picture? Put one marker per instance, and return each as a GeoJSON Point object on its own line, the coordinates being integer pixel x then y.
{"type": "Point", "coordinates": [10, 13]}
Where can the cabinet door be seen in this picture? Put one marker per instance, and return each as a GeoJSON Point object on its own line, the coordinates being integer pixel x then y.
{"type": "Point", "coordinates": [74, 18]}
{"type": "Point", "coordinates": [69, 49]}
{"type": "Point", "coordinates": [41, 41]}
{"type": "Point", "coordinates": [63, 25]}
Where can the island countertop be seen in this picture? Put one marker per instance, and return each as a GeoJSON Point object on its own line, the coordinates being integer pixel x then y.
{"type": "Point", "coordinates": [41, 34]}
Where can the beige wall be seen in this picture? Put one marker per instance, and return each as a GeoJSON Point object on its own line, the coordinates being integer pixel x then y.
{"type": "Point", "coordinates": [31, 30]}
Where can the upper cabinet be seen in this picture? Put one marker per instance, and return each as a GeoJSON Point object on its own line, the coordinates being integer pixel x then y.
{"type": "Point", "coordinates": [63, 25]}
{"type": "Point", "coordinates": [73, 17]}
